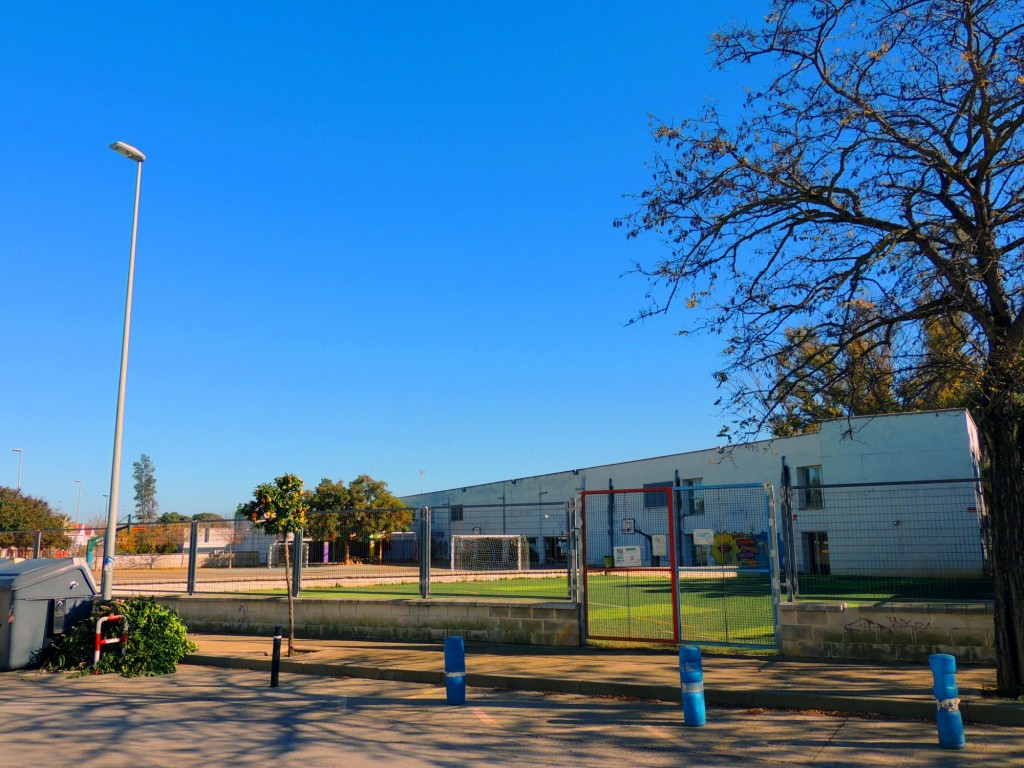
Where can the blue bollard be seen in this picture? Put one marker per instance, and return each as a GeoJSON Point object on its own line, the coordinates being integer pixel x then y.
{"type": "Point", "coordinates": [455, 670]}
{"type": "Point", "coordinates": [947, 715]}
{"type": "Point", "coordinates": [691, 682]}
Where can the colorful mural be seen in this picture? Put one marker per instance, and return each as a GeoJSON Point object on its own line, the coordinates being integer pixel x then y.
{"type": "Point", "coordinates": [743, 549]}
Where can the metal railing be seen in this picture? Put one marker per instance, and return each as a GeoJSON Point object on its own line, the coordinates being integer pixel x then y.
{"type": "Point", "coordinates": [890, 541]}
{"type": "Point", "coordinates": [876, 542]}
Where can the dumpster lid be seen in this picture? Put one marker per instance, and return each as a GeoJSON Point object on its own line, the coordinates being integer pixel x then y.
{"type": "Point", "coordinates": [24, 573]}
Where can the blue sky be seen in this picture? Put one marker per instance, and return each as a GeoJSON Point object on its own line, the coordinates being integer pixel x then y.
{"type": "Point", "coordinates": [374, 237]}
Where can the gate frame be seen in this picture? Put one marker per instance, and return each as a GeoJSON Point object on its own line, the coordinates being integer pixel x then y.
{"type": "Point", "coordinates": [773, 571]}
{"type": "Point", "coordinates": [673, 568]}
{"type": "Point", "coordinates": [774, 577]}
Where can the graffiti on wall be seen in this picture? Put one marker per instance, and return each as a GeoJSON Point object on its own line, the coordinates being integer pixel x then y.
{"type": "Point", "coordinates": [895, 623]}
{"type": "Point", "coordinates": [742, 549]}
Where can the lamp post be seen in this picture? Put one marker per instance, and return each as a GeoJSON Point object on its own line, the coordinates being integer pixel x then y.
{"type": "Point", "coordinates": [78, 505]}
{"type": "Point", "coordinates": [21, 456]}
{"type": "Point", "coordinates": [110, 539]}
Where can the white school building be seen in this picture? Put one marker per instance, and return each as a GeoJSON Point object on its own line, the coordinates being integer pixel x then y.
{"type": "Point", "coordinates": [833, 535]}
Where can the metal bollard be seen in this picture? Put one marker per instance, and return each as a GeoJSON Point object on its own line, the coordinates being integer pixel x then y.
{"type": "Point", "coordinates": [275, 664]}
{"type": "Point", "coordinates": [691, 682]}
{"type": "Point", "coordinates": [455, 670]}
{"type": "Point", "coordinates": [947, 701]}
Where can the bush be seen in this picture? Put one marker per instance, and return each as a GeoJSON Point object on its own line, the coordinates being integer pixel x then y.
{"type": "Point", "coordinates": [157, 641]}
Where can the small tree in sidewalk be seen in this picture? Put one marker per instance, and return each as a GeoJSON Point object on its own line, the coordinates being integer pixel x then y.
{"type": "Point", "coordinates": [279, 509]}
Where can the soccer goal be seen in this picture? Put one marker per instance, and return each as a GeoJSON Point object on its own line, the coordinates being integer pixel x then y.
{"type": "Point", "coordinates": [500, 552]}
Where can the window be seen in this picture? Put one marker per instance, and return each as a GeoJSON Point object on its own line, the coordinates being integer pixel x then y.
{"type": "Point", "coordinates": [656, 500]}
{"type": "Point", "coordinates": [456, 510]}
{"type": "Point", "coordinates": [692, 501]}
{"type": "Point", "coordinates": [809, 478]}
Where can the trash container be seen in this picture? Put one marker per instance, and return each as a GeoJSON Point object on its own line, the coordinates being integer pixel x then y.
{"type": "Point", "coordinates": [40, 599]}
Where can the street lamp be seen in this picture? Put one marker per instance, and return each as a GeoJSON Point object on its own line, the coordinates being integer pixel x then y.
{"type": "Point", "coordinates": [78, 505]}
{"type": "Point", "coordinates": [110, 539]}
{"type": "Point", "coordinates": [21, 456]}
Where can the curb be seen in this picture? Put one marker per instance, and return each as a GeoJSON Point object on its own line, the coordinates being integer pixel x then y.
{"type": "Point", "coordinates": [1006, 713]}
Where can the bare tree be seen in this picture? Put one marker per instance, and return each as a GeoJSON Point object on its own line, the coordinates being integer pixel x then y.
{"type": "Point", "coordinates": [881, 164]}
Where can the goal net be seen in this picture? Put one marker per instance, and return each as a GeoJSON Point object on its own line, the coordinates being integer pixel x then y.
{"type": "Point", "coordinates": [508, 552]}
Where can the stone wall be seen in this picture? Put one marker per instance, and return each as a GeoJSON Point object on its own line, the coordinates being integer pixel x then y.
{"type": "Point", "coordinates": [495, 621]}
{"type": "Point", "coordinates": [890, 632]}
{"type": "Point", "coordinates": [158, 561]}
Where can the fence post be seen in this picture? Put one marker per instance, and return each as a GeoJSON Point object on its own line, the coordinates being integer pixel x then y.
{"type": "Point", "coordinates": [424, 552]}
{"type": "Point", "coordinates": [297, 563]}
{"type": "Point", "coordinates": [788, 534]}
{"type": "Point", "coordinates": [579, 540]}
{"type": "Point", "coordinates": [193, 556]}
{"type": "Point", "coordinates": [570, 506]}
{"type": "Point", "coordinates": [38, 545]}
{"type": "Point", "coordinates": [773, 560]}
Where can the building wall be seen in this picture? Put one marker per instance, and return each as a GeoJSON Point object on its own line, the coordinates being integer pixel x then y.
{"type": "Point", "coordinates": [909, 524]}
{"type": "Point", "coordinates": [933, 445]}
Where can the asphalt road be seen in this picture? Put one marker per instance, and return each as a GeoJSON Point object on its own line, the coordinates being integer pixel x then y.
{"type": "Point", "coordinates": [213, 717]}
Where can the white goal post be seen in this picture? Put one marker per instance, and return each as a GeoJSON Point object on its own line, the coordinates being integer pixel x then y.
{"type": "Point", "coordinates": [497, 552]}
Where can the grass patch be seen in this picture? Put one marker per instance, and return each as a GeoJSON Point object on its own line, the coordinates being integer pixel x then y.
{"type": "Point", "coordinates": [638, 605]}
{"type": "Point", "coordinates": [511, 588]}
{"type": "Point", "coordinates": [889, 588]}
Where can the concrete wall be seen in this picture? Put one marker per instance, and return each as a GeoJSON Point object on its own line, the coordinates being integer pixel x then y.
{"type": "Point", "coordinates": [496, 621]}
{"type": "Point", "coordinates": [155, 561]}
{"type": "Point", "coordinates": [893, 632]}
{"type": "Point", "coordinates": [924, 530]}
{"type": "Point", "coordinates": [930, 445]}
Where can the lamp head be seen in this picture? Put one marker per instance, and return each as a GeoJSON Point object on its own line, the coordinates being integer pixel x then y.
{"type": "Point", "coordinates": [128, 151]}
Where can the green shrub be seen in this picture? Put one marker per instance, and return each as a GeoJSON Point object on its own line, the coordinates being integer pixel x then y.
{"type": "Point", "coordinates": [157, 641]}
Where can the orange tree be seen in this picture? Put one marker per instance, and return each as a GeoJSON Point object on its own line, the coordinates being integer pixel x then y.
{"type": "Point", "coordinates": [279, 509]}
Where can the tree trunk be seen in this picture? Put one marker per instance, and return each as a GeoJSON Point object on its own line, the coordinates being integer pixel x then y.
{"type": "Point", "coordinates": [291, 599]}
{"type": "Point", "coordinates": [1002, 435]}
{"type": "Point", "coordinates": [348, 553]}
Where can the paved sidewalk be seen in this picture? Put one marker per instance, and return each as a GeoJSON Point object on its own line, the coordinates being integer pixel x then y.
{"type": "Point", "coordinates": [898, 690]}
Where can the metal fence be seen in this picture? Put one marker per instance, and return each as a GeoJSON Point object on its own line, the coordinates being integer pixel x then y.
{"type": "Point", "coordinates": [889, 541]}
{"type": "Point", "coordinates": [500, 551]}
{"type": "Point", "coordinates": [892, 541]}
